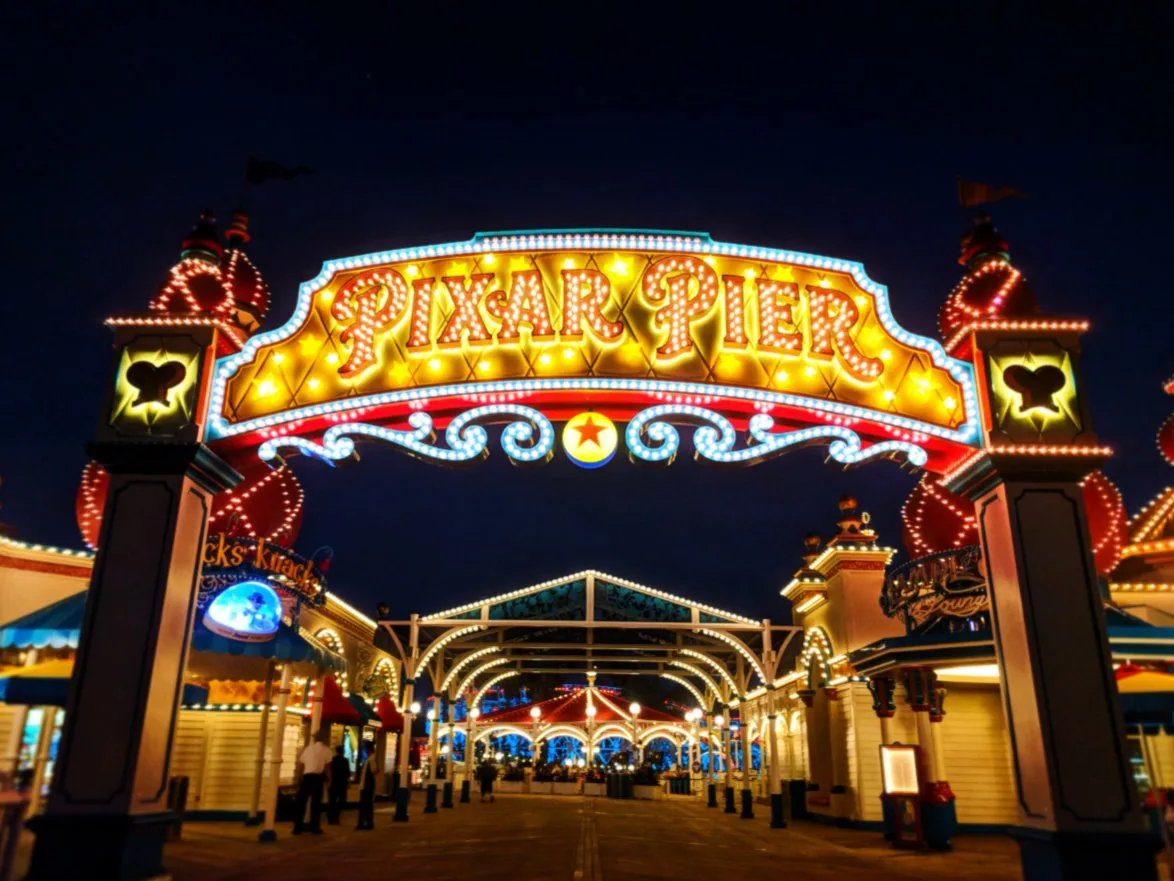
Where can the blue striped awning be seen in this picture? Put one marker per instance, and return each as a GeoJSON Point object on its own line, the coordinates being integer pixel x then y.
{"type": "Point", "coordinates": [286, 645]}
{"type": "Point", "coordinates": [55, 626]}
{"type": "Point", "coordinates": [34, 691]}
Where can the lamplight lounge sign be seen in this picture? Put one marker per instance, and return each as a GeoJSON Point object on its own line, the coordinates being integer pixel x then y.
{"type": "Point", "coordinates": [287, 568]}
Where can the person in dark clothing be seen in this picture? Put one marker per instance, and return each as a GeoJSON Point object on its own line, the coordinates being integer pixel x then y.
{"type": "Point", "coordinates": [340, 777]}
{"type": "Point", "coordinates": [486, 774]}
{"type": "Point", "coordinates": [367, 793]}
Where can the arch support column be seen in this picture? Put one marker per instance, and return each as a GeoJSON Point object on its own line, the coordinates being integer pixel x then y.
{"type": "Point", "coordinates": [1079, 815]}
{"type": "Point", "coordinates": [107, 812]}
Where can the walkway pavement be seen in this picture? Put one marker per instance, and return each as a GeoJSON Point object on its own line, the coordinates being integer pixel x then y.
{"type": "Point", "coordinates": [549, 837]}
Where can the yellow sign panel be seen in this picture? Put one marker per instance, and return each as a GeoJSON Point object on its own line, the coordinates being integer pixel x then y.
{"type": "Point", "coordinates": [751, 321]}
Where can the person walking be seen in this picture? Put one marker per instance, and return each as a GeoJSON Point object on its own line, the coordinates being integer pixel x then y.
{"type": "Point", "coordinates": [340, 778]}
{"type": "Point", "coordinates": [486, 774]}
{"type": "Point", "coordinates": [367, 793]}
{"type": "Point", "coordinates": [314, 762]}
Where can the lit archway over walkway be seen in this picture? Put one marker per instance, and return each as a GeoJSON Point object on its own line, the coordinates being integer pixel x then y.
{"type": "Point", "coordinates": [752, 350]}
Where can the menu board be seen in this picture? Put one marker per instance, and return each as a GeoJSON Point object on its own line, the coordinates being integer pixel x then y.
{"type": "Point", "coordinates": [899, 770]}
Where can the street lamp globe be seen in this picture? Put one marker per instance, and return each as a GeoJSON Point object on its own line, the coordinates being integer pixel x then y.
{"type": "Point", "coordinates": [432, 715]}
{"type": "Point", "coordinates": [634, 708]}
{"type": "Point", "coordinates": [414, 709]}
{"type": "Point", "coordinates": [591, 711]}
{"type": "Point", "coordinates": [499, 756]}
{"type": "Point", "coordinates": [474, 714]}
{"type": "Point", "coordinates": [535, 713]}
{"type": "Point", "coordinates": [719, 720]}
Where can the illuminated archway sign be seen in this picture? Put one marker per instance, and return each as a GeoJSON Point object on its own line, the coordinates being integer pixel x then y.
{"type": "Point", "coordinates": [648, 328]}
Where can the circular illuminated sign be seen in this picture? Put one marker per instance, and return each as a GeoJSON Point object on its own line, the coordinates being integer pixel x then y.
{"type": "Point", "coordinates": [249, 612]}
{"type": "Point", "coordinates": [590, 440]}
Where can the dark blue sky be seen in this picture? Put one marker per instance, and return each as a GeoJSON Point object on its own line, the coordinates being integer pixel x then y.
{"type": "Point", "coordinates": [833, 133]}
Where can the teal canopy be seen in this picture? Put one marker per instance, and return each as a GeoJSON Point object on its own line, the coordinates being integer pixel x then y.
{"type": "Point", "coordinates": [55, 626]}
{"type": "Point", "coordinates": [286, 646]}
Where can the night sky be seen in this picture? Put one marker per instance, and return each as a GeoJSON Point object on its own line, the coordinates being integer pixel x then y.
{"type": "Point", "coordinates": [839, 136]}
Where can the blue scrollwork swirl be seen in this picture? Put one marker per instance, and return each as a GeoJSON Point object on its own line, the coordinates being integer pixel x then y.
{"type": "Point", "coordinates": [528, 437]}
{"type": "Point", "coordinates": [651, 437]}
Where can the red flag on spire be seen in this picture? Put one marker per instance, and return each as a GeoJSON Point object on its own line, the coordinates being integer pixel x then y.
{"type": "Point", "coordinates": [970, 193]}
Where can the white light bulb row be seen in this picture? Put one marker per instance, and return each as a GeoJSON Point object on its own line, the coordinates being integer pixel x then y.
{"type": "Point", "coordinates": [966, 433]}
{"type": "Point", "coordinates": [720, 668]}
{"type": "Point", "coordinates": [441, 642]}
{"type": "Point", "coordinates": [700, 674]}
{"type": "Point", "coordinates": [46, 549]}
{"type": "Point", "coordinates": [468, 681]}
{"type": "Point", "coordinates": [461, 664]}
{"type": "Point", "coordinates": [740, 648]}
{"type": "Point", "coordinates": [682, 681]}
{"type": "Point", "coordinates": [1015, 325]}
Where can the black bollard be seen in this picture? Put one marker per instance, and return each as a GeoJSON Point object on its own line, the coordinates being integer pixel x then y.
{"type": "Point", "coordinates": [747, 805]}
{"type": "Point", "coordinates": [430, 799]}
{"type": "Point", "coordinates": [394, 783]}
{"type": "Point", "coordinates": [446, 802]}
{"type": "Point", "coordinates": [776, 811]}
{"type": "Point", "coordinates": [402, 794]}
{"type": "Point", "coordinates": [730, 809]}
{"type": "Point", "coordinates": [464, 792]}
{"type": "Point", "coordinates": [712, 796]}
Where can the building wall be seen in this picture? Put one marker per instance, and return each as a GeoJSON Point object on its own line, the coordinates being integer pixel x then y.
{"type": "Point", "coordinates": [218, 752]}
{"type": "Point", "coordinates": [31, 580]}
{"type": "Point", "coordinates": [978, 755]}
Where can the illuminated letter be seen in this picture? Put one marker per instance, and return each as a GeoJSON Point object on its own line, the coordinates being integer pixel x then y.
{"type": "Point", "coordinates": [466, 316]}
{"type": "Point", "coordinates": [372, 302]}
{"type": "Point", "coordinates": [526, 305]}
{"type": "Point", "coordinates": [421, 313]}
{"type": "Point", "coordinates": [833, 314]}
{"type": "Point", "coordinates": [776, 309]}
{"type": "Point", "coordinates": [735, 310]}
{"type": "Point", "coordinates": [681, 310]}
{"type": "Point", "coordinates": [585, 293]}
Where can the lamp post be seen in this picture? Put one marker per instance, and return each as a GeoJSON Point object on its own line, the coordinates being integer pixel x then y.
{"type": "Point", "coordinates": [535, 715]}
{"type": "Point", "coordinates": [694, 717]}
{"type": "Point", "coordinates": [590, 731]}
{"type": "Point", "coordinates": [724, 747]}
{"type": "Point", "coordinates": [404, 792]}
{"type": "Point", "coordinates": [637, 752]}
{"type": "Point", "coordinates": [470, 751]}
{"type": "Point", "coordinates": [433, 726]}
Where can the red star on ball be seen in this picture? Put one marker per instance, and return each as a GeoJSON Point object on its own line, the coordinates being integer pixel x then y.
{"type": "Point", "coordinates": [589, 431]}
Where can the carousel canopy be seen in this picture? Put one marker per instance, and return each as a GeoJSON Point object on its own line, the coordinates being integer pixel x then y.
{"type": "Point", "coordinates": [571, 709]}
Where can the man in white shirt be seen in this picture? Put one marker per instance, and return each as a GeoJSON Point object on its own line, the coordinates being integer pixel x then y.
{"type": "Point", "coordinates": [315, 764]}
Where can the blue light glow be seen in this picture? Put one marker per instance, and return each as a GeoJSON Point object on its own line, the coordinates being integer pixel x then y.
{"type": "Point", "coordinates": [249, 611]}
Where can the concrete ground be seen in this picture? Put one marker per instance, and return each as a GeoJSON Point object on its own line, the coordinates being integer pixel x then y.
{"type": "Point", "coordinates": [585, 839]}
{"type": "Point", "coordinates": [543, 838]}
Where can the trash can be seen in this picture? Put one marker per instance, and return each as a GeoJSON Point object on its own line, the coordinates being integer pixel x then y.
{"type": "Point", "coordinates": [177, 803]}
{"type": "Point", "coordinates": [287, 804]}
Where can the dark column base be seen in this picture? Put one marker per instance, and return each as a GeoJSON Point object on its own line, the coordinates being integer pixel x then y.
{"type": "Point", "coordinates": [730, 809]}
{"type": "Point", "coordinates": [102, 848]}
{"type": "Point", "coordinates": [797, 790]}
{"type": "Point", "coordinates": [712, 803]}
{"type": "Point", "coordinates": [939, 820]}
{"type": "Point", "coordinates": [747, 805]}
{"type": "Point", "coordinates": [464, 792]}
{"type": "Point", "coordinates": [402, 794]}
{"type": "Point", "coordinates": [430, 799]}
{"type": "Point", "coordinates": [1086, 856]}
{"type": "Point", "coordinates": [446, 802]}
{"type": "Point", "coordinates": [777, 820]}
